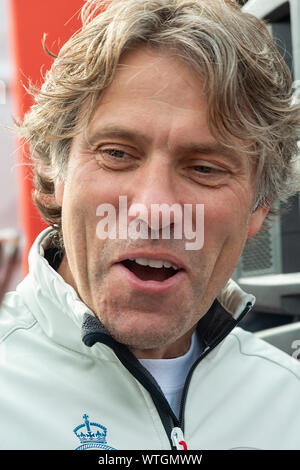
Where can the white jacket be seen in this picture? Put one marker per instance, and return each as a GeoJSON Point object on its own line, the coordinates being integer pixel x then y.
{"type": "Point", "coordinates": [66, 384]}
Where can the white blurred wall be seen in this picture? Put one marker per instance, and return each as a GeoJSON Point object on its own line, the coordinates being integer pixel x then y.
{"type": "Point", "coordinates": [8, 143]}
{"type": "Point", "coordinates": [8, 173]}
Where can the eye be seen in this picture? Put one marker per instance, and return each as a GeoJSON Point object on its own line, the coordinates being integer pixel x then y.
{"type": "Point", "coordinates": [209, 174]}
{"type": "Point", "coordinates": [208, 169]}
{"type": "Point", "coordinates": [205, 169]}
{"type": "Point", "coordinates": [114, 154]}
{"type": "Point", "coordinates": [111, 157]}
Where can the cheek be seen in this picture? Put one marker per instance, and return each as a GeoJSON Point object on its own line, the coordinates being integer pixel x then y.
{"type": "Point", "coordinates": [97, 187]}
{"type": "Point", "coordinates": [225, 229]}
{"type": "Point", "coordinates": [225, 223]}
{"type": "Point", "coordinates": [84, 191]}
{"type": "Point", "coordinates": [82, 197]}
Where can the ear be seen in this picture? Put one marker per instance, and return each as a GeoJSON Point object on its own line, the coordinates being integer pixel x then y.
{"type": "Point", "coordinates": [256, 220]}
{"type": "Point", "coordinates": [59, 187]}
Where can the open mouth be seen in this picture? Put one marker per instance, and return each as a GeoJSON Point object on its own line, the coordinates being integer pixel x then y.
{"type": "Point", "coordinates": [145, 272]}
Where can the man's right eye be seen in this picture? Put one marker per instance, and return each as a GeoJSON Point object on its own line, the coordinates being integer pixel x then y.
{"type": "Point", "coordinates": [114, 153]}
{"type": "Point", "coordinates": [114, 158]}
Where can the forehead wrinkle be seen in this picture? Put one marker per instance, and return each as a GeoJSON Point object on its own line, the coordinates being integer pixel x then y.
{"type": "Point", "coordinates": [173, 106]}
{"type": "Point", "coordinates": [155, 65]}
{"type": "Point", "coordinates": [123, 67]}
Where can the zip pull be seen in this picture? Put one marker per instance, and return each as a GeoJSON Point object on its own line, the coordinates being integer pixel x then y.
{"type": "Point", "coordinates": [178, 439]}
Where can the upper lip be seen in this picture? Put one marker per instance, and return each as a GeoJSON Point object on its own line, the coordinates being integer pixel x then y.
{"type": "Point", "coordinates": [170, 257]}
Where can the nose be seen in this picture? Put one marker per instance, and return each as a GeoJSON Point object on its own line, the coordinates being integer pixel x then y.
{"type": "Point", "coordinates": [155, 198]}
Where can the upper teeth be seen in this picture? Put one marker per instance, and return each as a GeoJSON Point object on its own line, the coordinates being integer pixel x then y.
{"type": "Point", "coordinates": [154, 263]}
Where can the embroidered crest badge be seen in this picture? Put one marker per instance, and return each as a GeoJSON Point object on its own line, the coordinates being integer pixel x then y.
{"type": "Point", "coordinates": [91, 435]}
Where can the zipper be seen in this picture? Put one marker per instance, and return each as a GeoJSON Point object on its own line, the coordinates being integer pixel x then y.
{"type": "Point", "coordinates": [178, 439]}
{"type": "Point", "coordinates": [173, 426]}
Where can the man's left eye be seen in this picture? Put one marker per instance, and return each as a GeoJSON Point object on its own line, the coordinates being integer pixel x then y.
{"type": "Point", "coordinates": [207, 169]}
{"type": "Point", "coordinates": [204, 169]}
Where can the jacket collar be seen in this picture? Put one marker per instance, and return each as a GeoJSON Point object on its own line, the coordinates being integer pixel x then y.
{"type": "Point", "coordinates": [58, 308]}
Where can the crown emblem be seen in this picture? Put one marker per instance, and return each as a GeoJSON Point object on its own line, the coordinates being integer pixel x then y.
{"type": "Point", "coordinates": [91, 435]}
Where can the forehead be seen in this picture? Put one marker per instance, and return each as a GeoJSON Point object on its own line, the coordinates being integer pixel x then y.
{"type": "Point", "coordinates": [156, 75]}
{"type": "Point", "coordinates": [150, 87]}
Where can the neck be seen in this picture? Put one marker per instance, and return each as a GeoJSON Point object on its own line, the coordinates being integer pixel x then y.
{"type": "Point", "coordinates": [179, 348]}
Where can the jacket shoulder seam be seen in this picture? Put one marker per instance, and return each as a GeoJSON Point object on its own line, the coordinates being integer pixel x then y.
{"type": "Point", "coordinates": [265, 358]}
{"type": "Point", "coordinates": [15, 328]}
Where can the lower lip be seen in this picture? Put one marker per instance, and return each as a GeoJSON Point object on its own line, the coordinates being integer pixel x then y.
{"type": "Point", "coordinates": [156, 287]}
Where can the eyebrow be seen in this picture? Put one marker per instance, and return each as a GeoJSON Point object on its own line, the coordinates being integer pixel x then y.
{"type": "Point", "coordinates": [113, 131]}
{"type": "Point", "coordinates": [207, 148]}
{"type": "Point", "coordinates": [203, 148]}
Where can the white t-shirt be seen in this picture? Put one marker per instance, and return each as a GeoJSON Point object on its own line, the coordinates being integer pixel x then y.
{"type": "Point", "coordinates": [171, 374]}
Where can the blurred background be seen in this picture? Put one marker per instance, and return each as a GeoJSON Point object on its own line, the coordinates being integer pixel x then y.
{"type": "Point", "coordinates": [23, 24]}
{"type": "Point", "coordinates": [8, 144]}
{"type": "Point", "coordinates": [8, 185]}
{"type": "Point", "coordinates": [270, 265]}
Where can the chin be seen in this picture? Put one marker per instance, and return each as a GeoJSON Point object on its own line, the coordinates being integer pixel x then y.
{"type": "Point", "coordinates": [143, 338]}
{"type": "Point", "coordinates": [138, 329]}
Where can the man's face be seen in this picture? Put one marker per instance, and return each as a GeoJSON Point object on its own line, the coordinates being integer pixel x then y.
{"type": "Point", "coordinates": [149, 141]}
